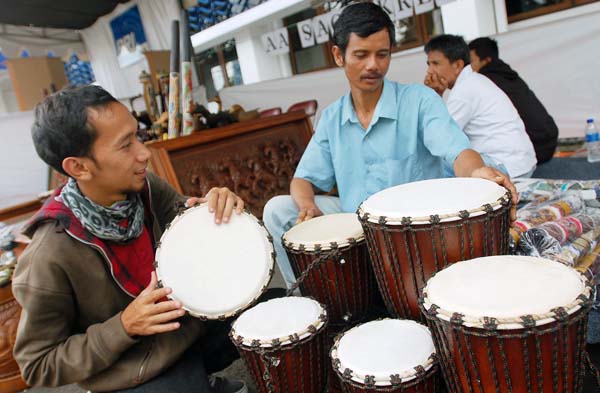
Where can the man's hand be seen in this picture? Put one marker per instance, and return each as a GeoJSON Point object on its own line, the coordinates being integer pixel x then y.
{"type": "Point", "coordinates": [147, 315]}
{"type": "Point", "coordinates": [497, 176]}
{"type": "Point", "coordinates": [221, 201]}
{"type": "Point", "coordinates": [308, 212]}
{"type": "Point", "coordinates": [439, 84]}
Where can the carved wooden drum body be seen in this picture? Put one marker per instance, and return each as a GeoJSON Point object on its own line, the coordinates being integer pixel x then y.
{"type": "Point", "coordinates": [509, 324]}
{"type": "Point", "coordinates": [387, 355]}
{"type": "Point", "coordinates": [416, 229]}
{"type": "Point", "coordinates": [215, 271]}
{"type": "Point", "coordinates": [282, 342]}
{"type": "Point", "coordinates": [330, 251]}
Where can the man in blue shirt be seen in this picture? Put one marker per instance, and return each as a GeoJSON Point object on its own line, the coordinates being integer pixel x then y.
{"type": "Point", "coordinates": [379, 135]}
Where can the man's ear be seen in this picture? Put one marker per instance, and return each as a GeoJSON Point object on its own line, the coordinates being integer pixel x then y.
{"type": "Point", "coordinates": [486, 61]}
{"type": "Point", "coordinates": [338, 55]}
{"type": "Point", "coordinates": [78, 168]}
{"type": "Point", "coordinates": [459, 65]}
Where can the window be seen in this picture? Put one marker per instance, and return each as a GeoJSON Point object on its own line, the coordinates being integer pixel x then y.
{"type": "Point", "coordinates": [312, 58]}
{"type": "Point", "coordinates": [524, 9]}
{"type": "Point", "coordinates": [218, 68]}
{"type": "Point", "coordinates": [410, 32]}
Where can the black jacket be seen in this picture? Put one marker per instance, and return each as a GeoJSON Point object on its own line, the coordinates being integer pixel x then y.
{"type": "Point", "coordinates": [539, 125]}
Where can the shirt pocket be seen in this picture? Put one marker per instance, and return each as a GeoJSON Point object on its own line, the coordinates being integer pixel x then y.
{"type": "Point", "coordinates": [403, 170]}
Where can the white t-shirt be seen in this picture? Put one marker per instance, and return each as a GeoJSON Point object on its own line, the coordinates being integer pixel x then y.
{"type": "Point", "coordinates": [491, 122]}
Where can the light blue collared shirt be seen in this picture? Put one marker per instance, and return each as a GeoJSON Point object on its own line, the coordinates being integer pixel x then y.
{"type": "Point", "coordinates": [410, 136]}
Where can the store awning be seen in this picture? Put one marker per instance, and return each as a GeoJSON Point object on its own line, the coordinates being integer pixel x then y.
{"type": "Point", "coordinates": [62, 14]}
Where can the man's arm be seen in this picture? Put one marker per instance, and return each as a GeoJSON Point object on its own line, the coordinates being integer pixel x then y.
{"type": "Point", "coordinates": [469, 164]}
{"type": "Point", "coordinates": [304, 196]}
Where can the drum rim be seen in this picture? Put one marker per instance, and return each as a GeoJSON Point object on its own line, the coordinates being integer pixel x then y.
{"type": "Point", "coordinates": [319, 245]}
{"type": "Point", "coordinates": [416, 374]}
{"type": "Point", "coordinates": [557, 314]}
{"type": "Point", "coordinates": [368, 218]}
{"type": "Point", "coordinates": [233, 313]}
{"type": "Point", "coordinates": [307, 334]}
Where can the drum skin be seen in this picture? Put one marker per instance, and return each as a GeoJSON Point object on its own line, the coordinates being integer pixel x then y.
{"type": "Point", "coordinates": [346, 289]}
{"type": "Point", "coordinates": [429, 382]}
{"type": "Point", "coordinates": [545, 359]}
{"type": "Point", "coordinates": [295, 368]}
{"type": "Point", "coordinates": [405, 256]}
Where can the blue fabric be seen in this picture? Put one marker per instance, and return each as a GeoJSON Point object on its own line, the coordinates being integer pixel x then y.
{"type": "Point", "coordinates": [410, 136]}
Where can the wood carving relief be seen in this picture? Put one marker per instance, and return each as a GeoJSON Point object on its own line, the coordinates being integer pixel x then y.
{"type": "Point", "coordinates": [256, 172]}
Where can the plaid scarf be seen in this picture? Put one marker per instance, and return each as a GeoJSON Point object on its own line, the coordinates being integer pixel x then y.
{"type": "Point", "coordinates": [121, 222]}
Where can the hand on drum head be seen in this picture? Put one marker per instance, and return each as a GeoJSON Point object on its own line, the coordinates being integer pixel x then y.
{"type": "Point", "coordinates": [489, 173]}
{"type": "Point", "coordinates": [307, 213]}
{"type": "Point", "coordinates": [221, 201]}
{"type": "Point", "coordinates": [147, 314]}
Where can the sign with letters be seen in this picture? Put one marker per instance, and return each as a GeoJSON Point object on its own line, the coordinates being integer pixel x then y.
{"type": "Point", "coordinates": [276, 42]}
{"type": "Point", "coordinates": [319, 29]}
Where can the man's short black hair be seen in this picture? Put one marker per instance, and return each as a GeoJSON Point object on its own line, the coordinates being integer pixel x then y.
{"type": "Point", "coordinates": [362, 19]}
{"type": "Point", "coordinates": [61, 128]}
{"type": "Point", "coordinates": [484, 47]}
{"type": "Point", "coordinates": [453, 47]}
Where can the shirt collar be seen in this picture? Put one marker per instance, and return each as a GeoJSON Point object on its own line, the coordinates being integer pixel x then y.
{"type": "Point", "coordinates": [386, 106]}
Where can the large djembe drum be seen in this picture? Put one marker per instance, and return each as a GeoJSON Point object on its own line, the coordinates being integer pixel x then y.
{"type": "Point", "coordinates": [282, 342]}
{"type": "Point", "coordinates": [330, 259]}
{"type": "Point", "coordinates": [388, 355]}
{"type": "Point", "coordinates": [416, 229]}
{"type": "Point", "coordinates": [215, 271]}
{"type": "Point", "coordinates": [509, 324]}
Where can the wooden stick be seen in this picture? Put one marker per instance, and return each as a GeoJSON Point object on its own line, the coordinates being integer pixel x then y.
{"type": "Point", "coordinates": [174, 98]}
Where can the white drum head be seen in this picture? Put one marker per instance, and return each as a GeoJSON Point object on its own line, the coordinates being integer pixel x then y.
{"type": "Point", "coordinates": [384, 348]}
{"type": "Point", "coordinates": [214, 270]}
{"type": "Point", "coordinates": [444, 197]}
{"type": "Point", "coordinates": [506, 288]}
{"type": "Point", "coordinates": [324, 230]}
{"type": "Point", "coordinates": [278, 319]}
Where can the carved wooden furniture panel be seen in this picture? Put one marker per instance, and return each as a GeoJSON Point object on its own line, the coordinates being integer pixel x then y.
{"type": "Point", "coordinates": [256, 159]}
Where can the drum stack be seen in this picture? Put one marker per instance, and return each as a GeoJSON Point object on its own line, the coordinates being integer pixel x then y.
{"type": "Point", "coordinates": [436, 250]}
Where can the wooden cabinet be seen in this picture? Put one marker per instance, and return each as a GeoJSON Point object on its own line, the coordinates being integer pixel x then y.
{"type": "Point", "coordinates": [256, 159]}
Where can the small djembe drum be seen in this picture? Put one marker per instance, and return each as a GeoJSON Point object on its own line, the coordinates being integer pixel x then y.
{"type": "Point", "coordinates": [388, 355]}
{"type": "Point", "coordinates": [282, 342]}
{"type": "Point", "coordinates": [416, 229]}
{"type": "Point", "coordinates": [509, 324]}
{"type": "Point", "coordinates": [330, 259]}
{"type": "Point", "coordinates": [215, 271]}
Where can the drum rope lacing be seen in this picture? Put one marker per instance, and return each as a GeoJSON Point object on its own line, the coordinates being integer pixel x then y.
{"type": "Point", "coordinates": [417, 375]}
{"type": "Point", "coordinates": [490, 330]}
{"type": "Point", "coordinates": [269, 356]}
{"type": "Point", "coordinates": [400, 308]}
{"type": "Point", "coordinates": [333, 254]}
{"type": "Point", "coordinates": [500, 202]}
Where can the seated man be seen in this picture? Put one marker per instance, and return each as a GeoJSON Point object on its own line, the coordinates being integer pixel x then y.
{"type": "Point", "coordinates": [539, 125]}
{"type": "Point", "coordinates": [379, 135]}
{"type": "Point", "coordinates": [92, 313]}
{"type": "Point", "coordinates": [479, 107]}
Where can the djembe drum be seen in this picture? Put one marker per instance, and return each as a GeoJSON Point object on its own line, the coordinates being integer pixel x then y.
{"type": "Point", "coordinates": [215, 271]}
{"type": "Point", "coordinates": [509, 324]}
{"type": "Point", "coordinates": [330, 259]}
{"type": "Point", "coordinates": [388, 355]}
{"type": "Point", "coordinates": [282, 342]}
{"type": "Point", "coordinates": [416, 229]}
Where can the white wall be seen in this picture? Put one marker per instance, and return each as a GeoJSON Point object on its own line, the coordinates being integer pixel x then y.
{"type": "Point", "coordinates": [23, 175]}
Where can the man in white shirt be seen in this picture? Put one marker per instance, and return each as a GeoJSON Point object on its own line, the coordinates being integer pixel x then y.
{"type": "Point", "coordinates": [484, 112]}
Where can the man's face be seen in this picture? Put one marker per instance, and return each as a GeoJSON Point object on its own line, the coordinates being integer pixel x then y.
{"type": "Point", "coordinates": [476, 62]}
{"type": "Point", "coordinates": [120, 159]}
{"type": "Point", "coordinates": [366, 60]}
{"type": "Point", "coordinates": [438, 64]}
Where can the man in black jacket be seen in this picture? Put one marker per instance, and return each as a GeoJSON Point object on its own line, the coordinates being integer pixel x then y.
{"type": "Point", "coordinates": [540, 126]}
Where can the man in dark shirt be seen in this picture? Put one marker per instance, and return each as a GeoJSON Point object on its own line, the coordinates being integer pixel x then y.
{"type": "Point", "coordinates": [540, 126]}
